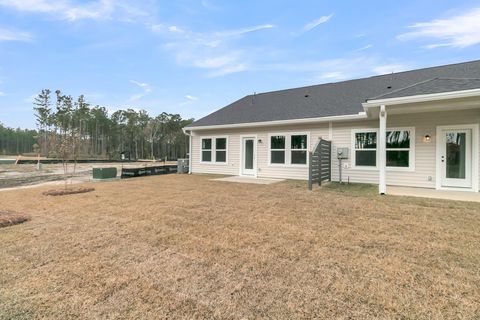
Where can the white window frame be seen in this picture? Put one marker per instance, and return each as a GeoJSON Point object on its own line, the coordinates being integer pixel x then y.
{"type": "Point", "coordinates": [354, 150]}
{"type": "Point", "coordinates": [213, 150]}
{"type": "Point", "coordinates": [288, 149]}
{"type": "Point", "coordinates": [411, 150]}
{"type": "Point", "coordinates": [270, 149]}
{"type": "Point", "coordinates": [411, 154]}
{"type": "Point", "coordinates": [202, 150]}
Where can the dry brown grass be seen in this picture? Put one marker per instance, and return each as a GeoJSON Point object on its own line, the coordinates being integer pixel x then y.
{"type": "Point", "coordinates": [68, 191]}
{"type": "Point", "coordinates": [11, 218]}
{"type": "Point", "coordinates": [179, 246]}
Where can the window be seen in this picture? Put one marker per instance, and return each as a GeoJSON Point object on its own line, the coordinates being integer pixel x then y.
{"type": "Point", "coordinates": [398, 148]}
{"type": "Point", "coordinates": [289, 149]}
{"type": "Point", "coordinates": [221, 150]}
{"type": "Point", "coordinates": [214, 150]}
{"type": "Point", "coordinates": [277, 149]}
{"type": "Point", "coordinates": [206, 150]}
{"type": "Point", "coordinates": [298, 149]}
{"type": "Point", "coordinates": [366, 149]}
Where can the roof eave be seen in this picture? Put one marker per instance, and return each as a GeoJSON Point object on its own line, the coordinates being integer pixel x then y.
{"type": "Point", "coordinates": [349, 117]}
{"type": "Point", "coordinates": [375, 103]}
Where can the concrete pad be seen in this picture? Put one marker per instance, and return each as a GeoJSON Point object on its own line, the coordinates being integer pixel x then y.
{"type": "Point", "coordinates": [436, 194]}
{"type": "Point", "coordinates": [239, 179]}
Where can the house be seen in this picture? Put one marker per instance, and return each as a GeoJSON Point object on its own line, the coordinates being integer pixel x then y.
{"type": "Point", "coordinates": [416, 128]}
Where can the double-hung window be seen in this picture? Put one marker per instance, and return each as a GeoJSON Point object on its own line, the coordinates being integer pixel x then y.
{"type": "Point", "coordinates": [288, 149]}
{"type": "Point", "coordinates": [277, 149]}
{"type": "Point", "coordinates": [214, 150]}
{"type": "Point", "coordinates": [207, 150]}
{"type": "Point", "coordinates": [221, 150]}
{"type": "Point", "coordinates": [398, 148]}
{"type": "Point", "coordinates": [366, 149]}
{"type": "Point", "coordinates": [298, 149]}
{"type": "Point", "coordinates": [399, 151]}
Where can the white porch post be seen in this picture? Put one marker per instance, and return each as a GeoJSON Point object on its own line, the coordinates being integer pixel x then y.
{"type": "Point", "coordinates": [382, 149]}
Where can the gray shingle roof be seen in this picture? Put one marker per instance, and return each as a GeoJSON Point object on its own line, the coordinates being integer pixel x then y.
{"type": "Point", "coordinates": [431, 86]}
{"type": "Point", "coordinates": [343, 98]}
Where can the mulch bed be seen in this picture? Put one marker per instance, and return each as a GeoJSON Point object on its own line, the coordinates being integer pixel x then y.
{"type": "Point", "coordinates": [12, 218]}
{"type": "Point", "coordinates": [64, 192]}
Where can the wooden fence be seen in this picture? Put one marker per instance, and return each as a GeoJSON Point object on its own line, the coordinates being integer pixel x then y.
{"type": "Point", "coordinates": [320, 163]}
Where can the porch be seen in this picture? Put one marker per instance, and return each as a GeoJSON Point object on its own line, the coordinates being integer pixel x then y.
{"type": "Point", "coordinates": [434, 194]}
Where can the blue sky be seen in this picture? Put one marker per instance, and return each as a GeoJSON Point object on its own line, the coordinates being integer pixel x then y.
{"type": "Point", "coordinates": [194, 56]}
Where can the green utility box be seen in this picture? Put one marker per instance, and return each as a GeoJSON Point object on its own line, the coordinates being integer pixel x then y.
{"type": "Point", "coordinates": [104, 173]}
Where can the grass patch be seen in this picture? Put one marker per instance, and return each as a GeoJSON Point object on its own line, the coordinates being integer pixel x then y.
{"type": "Point", "coordinates": [183, 246]}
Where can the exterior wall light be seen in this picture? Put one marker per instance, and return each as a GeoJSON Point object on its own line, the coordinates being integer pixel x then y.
{"type": "Point", "coordinates": [427, 138]}
{"type": "Point", "coordinates": [259, 140]}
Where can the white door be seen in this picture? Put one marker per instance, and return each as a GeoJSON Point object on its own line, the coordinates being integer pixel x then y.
{"type": "Point", "coordinates": [248, 156]}
{"type": "Point", "coordinates": [456, 158]}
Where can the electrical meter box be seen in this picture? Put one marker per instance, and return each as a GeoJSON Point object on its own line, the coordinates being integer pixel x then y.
{"type": "Point", "coordinates": [342, 153]}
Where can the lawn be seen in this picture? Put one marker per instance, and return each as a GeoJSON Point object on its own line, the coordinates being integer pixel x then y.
{"type": "Point", "coordinates": [180, 246]}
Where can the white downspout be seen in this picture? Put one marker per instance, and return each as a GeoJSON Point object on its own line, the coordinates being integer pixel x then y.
{"type": "Point", "coordinates": [190, 163]}
{"type": "Point", "coordinates": [382, 149]}
{"type": "Point", "coordinates": [189, 134]}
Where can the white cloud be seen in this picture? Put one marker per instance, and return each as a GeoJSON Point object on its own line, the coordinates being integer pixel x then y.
{"type": "Point", "coordinates": [10, 35]}
{"type": "Point", "coordinates": [68, 10]}
{"type": "Point", "coordinates": [338, 69]}
{"type": "Point", "coordinates": [146, 90]}
{"type": "Point", "coordinates": [459, 31]}
{"type": "Point", "coordinates": [209, 5]}
{"type": "Point", "coordinates": [315, 23]}
{"type": "Point", "coordinates": [368, 46]}
{"type": "Point", "coordinates": [191, 98]}
{"type": "Point", "coordinates": [213, 51]}
{"type": "Point", "coordinates": [2, 94]}
{"type": "Point", "coordinates": [239, 32]}
{"type": "Point", "coordinates": [390, 68]}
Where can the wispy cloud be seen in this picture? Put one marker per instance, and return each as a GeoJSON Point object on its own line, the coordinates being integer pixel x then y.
{"type": "Point", "coordinates": [213, 51]}
{"type": "Point", "coordinates": [146, 90]}
{"type": "Point", "coordinates": [189, 99]}
{"type": "Point", "coordinates": [390, 68]}
{"type": "Point", "coordinates": [10, 35]}
{"type": "Point", "coordinates": [339, 69]}
{"type": "Point", "coordinates": [315, 23]}
{"type": "Point", "coordinates": [368, 46]}
{"type": "Point", "coordinates": [209, 5]}
{"type": "Point", "coordinates": [459, 31]}
{"type": "Point", "coordinates": [68, 10]}
{"type": "Point", "coordinates": [2, 93]}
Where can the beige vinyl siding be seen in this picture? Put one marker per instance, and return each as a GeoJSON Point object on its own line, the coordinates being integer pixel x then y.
{"type": "Point", "coordinates": [265, 170]}
{"type": "Point", "coordinates": [425, 153]}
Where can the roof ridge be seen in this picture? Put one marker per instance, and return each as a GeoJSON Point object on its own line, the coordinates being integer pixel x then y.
{"type": "Point", "coordinates": [403, 88]}
{"type": "Point", "coordinates": [368, 77]}
{"type": "Point", "coordinates": [444, 78]}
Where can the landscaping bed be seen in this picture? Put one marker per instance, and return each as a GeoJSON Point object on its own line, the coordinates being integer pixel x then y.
{"type": "Point", "coordinates": [11, 218]}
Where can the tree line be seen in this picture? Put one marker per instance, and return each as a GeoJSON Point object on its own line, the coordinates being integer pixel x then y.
{"type": "Point", "coordinates": [95, 133]}
{"type": "Point", "coordinates": [17, 141]}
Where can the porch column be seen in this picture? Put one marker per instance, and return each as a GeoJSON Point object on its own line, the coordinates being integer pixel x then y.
{"type": "Point", "coordinates": [382, 149]}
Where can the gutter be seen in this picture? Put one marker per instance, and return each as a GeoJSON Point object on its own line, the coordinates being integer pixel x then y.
{"type": "Point", "coordinates": [375, 103]}
{"type": "Point", "coordinates": [189, 134]}
{"type": "Point", "coordinates": [350, 117]}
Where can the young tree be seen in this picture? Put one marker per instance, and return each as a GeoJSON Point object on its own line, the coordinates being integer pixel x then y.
{"type": "Point", "coordinates": [43, 113]}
